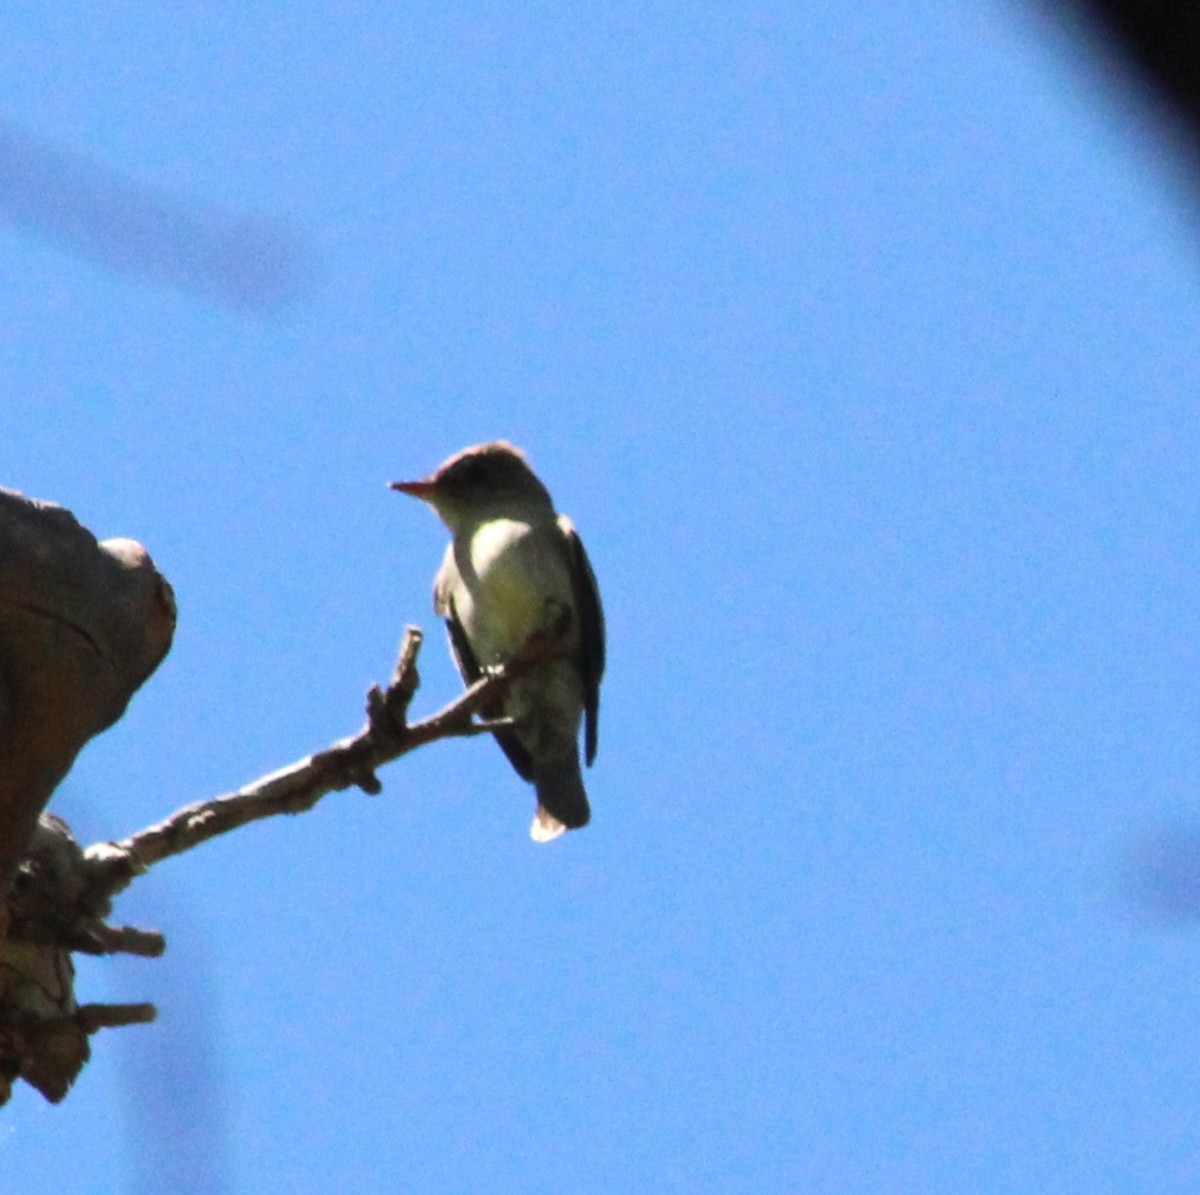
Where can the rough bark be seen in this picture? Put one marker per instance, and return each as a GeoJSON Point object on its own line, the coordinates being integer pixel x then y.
{"type": "Point", "coordinates": [82, 625]}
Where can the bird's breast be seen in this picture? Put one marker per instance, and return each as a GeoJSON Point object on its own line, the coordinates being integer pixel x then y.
{"type": "Point", "coordinates": [510, 572]}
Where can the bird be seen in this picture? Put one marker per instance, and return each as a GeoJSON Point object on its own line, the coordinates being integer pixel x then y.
{"type": "Point", "coordinates": [516, 580]}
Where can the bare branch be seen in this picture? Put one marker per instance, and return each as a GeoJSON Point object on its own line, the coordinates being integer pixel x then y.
{"type": "Point", "coordinates": [62, 894]}
{"type": "Point", "coordinates": [125, 939]}
{"type": "Point", "coordinates": [348, 763]}
{"type": "Point", "coordinates": [49, 1051]}
{"type": "Point", "coordinates": [93, 1017]}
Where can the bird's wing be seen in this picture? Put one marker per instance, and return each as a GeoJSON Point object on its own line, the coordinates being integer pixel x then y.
{"type": "Point", "coordinates": [443, 604]}
{"type": "Point", "coordinates": [468, 667]}
{"type": "Point", "coordinates": [460, 646]}
{"type": "Point", "coordinates": [591, 632]}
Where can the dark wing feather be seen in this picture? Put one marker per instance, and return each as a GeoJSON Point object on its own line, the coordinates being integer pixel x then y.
{"type": "Point", "coordinates": [468, 667]}
{"type": "Point", "coordinates": [591, 633]}
{"type": "Point", "coordinates": [460, 646]}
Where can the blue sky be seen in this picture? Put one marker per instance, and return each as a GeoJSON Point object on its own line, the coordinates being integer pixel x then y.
{"type": "Point", "coordinates": [861, 346]}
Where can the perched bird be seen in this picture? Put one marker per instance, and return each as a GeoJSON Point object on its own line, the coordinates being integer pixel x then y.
{"type": "Point", "coordinates": [515, 578]}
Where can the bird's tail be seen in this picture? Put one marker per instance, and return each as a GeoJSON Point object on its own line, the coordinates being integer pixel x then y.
{"type": "Point", "coordinates": [562, 800]}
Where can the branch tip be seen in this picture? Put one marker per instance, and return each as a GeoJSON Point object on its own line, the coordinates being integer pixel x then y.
{"type": "Point", "coordinates": [126, 939]}
{"type": "Point", "coordinates": [405, 673]}
{"type": "Point", "coordinates": [92, 1017]}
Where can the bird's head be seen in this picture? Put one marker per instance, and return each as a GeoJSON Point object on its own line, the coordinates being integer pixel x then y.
{"type": "Point", "coordinates": [477, 481]}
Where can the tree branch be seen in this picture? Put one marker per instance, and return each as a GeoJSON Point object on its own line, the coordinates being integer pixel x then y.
{"type": "Point", "coordinates": [348, 763]}
{"type": "Point", "coordinates": [62, 894]}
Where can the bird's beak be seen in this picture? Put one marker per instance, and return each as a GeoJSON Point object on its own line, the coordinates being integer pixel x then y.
{"type": "Point", "coordinates": [418, 489]}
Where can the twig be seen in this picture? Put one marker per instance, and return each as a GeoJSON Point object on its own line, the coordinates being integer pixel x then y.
{"type": "Point", "coordinates": [125, 939]}
{"type": "Point", "coordinates": [92, 1017]}
{"type": "Point", "coordinates": [348, 763]}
